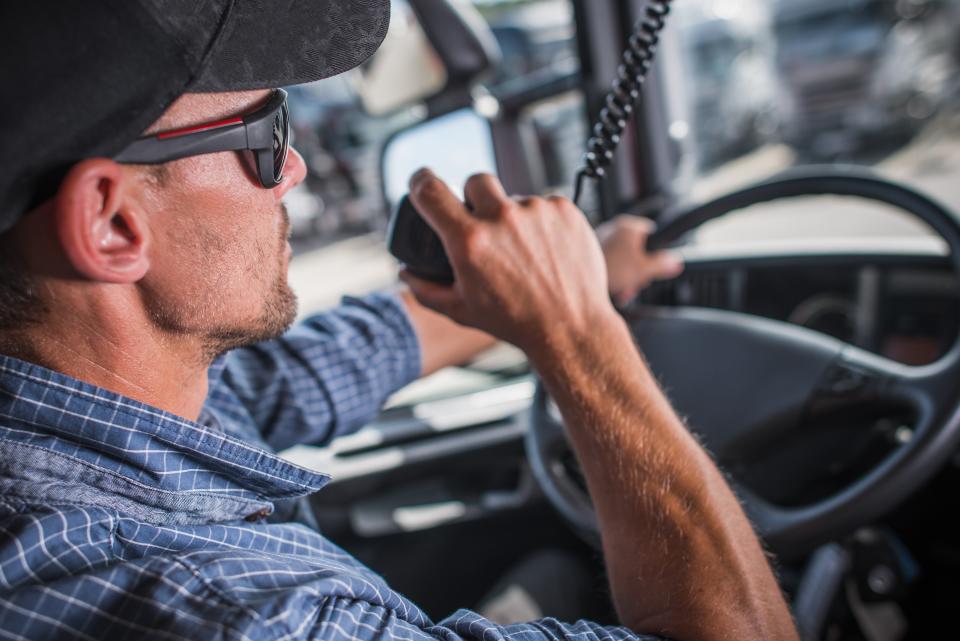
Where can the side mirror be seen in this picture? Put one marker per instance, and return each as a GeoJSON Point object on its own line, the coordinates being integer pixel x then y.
{"type": "Point", "coordinates": [454, 146]}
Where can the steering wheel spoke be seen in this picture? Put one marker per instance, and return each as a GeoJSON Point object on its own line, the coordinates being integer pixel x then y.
{"type": "Point", "coordinates": [925, 389]}
{"type": "Point", "coordinates": [757, 383]}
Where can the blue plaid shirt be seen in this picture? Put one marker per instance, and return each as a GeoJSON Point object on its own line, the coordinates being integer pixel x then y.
{"type": "Point", "coordinates": [122, 521]}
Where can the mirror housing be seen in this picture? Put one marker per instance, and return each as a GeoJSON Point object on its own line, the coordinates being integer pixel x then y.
{"type": "Point", "coordinates": [436, 51]}
{"type": "Point", "coordinates": [461, 37]}
{"type": "Point", "coordinates": [405, 69]}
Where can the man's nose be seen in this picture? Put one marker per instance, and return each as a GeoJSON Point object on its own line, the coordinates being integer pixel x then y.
{"type": "Point", "coordinates": [294, 171]}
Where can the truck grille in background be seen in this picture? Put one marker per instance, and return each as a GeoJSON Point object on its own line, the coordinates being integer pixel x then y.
{"type": "Point", "coordinates": [830, 100]}
{"type": "Point", "coordinates": [825, 91]}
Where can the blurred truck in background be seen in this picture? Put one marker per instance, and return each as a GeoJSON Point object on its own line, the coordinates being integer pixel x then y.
{"type": "Point", "coordinates": [732, 84]}
{"type": "Point", "coordinates": [858, 72]}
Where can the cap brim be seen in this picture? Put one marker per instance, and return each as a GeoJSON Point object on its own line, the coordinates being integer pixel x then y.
{"type": "Point", "coordinates": [274, 44]}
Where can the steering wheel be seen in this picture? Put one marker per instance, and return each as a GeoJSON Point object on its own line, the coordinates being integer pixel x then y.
{"type": "Point", "coordinates": [755, 377]}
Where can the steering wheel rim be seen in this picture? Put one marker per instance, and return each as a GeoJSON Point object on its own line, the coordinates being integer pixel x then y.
{"type": "Point", "coordinates": [929, 390]}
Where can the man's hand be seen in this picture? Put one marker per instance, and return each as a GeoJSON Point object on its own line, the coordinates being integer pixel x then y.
{"type": "Point", "coordinates": [527, 270]}
{"type": "Point", "coordinates": [629, 267]}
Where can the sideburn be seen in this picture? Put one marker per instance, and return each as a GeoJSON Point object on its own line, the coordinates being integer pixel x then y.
{"type": "Point", "coordinates": [21, 305]}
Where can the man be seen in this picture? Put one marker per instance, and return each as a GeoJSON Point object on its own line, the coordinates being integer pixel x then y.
{"type": "Point", "coordinates": [134, 461]}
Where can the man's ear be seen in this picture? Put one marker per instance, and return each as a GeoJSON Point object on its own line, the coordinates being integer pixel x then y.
{"type": "Point", "coordinates": [102, 229]}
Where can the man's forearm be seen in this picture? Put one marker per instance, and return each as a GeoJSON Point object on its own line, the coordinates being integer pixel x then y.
{"type": "Point", "coordinates": [682, 557]}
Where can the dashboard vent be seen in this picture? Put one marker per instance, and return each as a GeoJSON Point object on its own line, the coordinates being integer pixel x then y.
{"type": "Point", "coordinates": [696, 289]}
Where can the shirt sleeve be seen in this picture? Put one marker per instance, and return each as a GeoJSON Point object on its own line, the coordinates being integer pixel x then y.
{"type": "Point", "coordinates": [326, 377]}
{"type": "Point", "coordinates": [342, 620]}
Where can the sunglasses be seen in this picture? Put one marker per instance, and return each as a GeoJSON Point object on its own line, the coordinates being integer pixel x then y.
{"type": "Point", "coordinates": [265, 132]}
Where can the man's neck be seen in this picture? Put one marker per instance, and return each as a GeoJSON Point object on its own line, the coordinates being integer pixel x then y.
{"type": "Point", "coordinates": [150, 369]}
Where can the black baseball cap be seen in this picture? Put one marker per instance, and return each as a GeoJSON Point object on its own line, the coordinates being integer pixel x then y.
{"type": "Point", "coordinates": [84, 78]}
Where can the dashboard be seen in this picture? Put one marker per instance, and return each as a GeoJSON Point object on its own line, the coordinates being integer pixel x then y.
{"type": "Point", "coordinates": [904, 306]}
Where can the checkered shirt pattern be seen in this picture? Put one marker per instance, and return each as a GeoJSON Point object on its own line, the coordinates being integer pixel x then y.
{"type": "Point", "coordinates": [121, 521]}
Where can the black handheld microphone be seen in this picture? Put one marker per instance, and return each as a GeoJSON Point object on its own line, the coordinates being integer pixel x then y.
{"type": "Point", "coordinates": [414, 243]}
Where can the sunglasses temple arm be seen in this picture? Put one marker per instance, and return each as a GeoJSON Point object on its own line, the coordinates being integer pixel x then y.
{"type": "Point", "coordinates": [154, 150]}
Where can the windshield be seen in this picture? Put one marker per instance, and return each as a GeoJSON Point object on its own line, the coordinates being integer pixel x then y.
{"type": "Point", "coordinates": [859, 82]}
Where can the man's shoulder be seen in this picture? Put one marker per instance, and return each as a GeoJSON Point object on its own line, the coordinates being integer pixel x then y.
{"type": "Point", "coordinates": [40, 544]}
{"type": "Point", "coordinates": [248, 564]}
{"type": "Point", "coordinates": [75, 572]}
{"type": "Point", "coordinates": [74, 594]}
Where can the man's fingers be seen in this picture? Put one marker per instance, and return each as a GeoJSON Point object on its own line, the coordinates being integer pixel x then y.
{"type": "Point", "coordinates": [440, 298]}
{"type": "Point", "coordinates": [439, 206]}
{"type": "Point", "coordinates": [634, 228]}
{"type": "Point", "coordinates": [622, 299]}
{"type": "Point", "coordinates": [485, 193]}
{"type": "Point", "coordinates": [641, 225]}
{"type": "Point", "coordinates": [665, 264]}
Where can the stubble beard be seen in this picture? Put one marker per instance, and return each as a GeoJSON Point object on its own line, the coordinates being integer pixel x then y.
{"type": "Point", "coordinates": [277, 314]}
{"type": "Point", "coordinates": [205, 320]}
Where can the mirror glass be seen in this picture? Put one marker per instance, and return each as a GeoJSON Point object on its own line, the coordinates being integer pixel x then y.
{"type": "Point", "coordinates": [454, 146]}
{"type": "Point", "coordinates": [405, 70]}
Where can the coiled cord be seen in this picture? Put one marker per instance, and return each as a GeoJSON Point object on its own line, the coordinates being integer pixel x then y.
{"type": "Point", "coordinates": [619, 103]}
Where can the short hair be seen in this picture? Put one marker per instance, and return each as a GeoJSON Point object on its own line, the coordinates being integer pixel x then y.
{"type": "Point", "coordinates": [20, 302]}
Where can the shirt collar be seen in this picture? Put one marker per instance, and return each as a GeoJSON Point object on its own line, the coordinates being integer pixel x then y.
{"type": "Point", "coordinates": [176, 469]}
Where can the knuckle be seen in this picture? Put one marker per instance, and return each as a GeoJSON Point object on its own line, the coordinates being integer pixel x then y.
{"type": "Point", "coordinates": [480, 179]}
{"type": "Point", "coordinates": [514, 217]}
{"type": "Point", "coordinates": [534, 202]}
{"type": "Point", "coordinates": [475, 244]}
{"type": "Point", "coordinates": [560, 202]}
{"type": "Point", "coordinates": [506, 210]}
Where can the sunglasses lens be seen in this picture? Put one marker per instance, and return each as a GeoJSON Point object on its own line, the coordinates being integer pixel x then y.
{"type": "Point", "coordinates": [281, 140]}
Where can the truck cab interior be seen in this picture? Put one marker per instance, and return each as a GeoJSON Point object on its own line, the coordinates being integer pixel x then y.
{"type": "Point", "coordinates": [803, 157]}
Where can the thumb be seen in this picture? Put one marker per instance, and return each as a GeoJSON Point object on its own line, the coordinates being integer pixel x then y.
{"type": "Point", "coordinates": [623, 298]}
{"type": "Point", "coordinates": [444, 299]}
